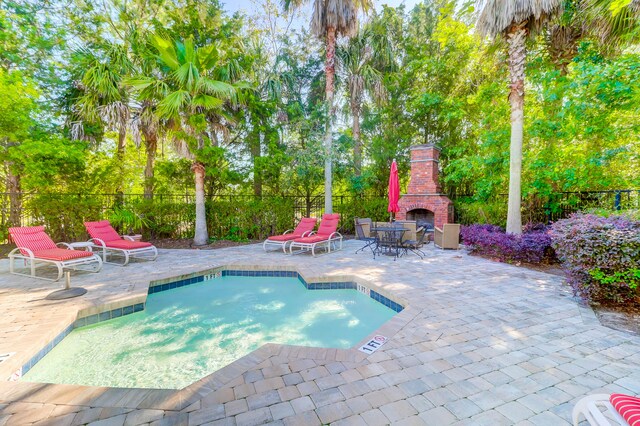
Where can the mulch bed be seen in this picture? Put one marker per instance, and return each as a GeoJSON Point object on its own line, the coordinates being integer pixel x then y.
{"type": "Point", "coordinates": [187, 243]}
{"type": "Point", "coordinates": [5, 249]}
{"type": "Point", "coordinates": [549, 268]}
{"type": "Point", "coordinates": [167, 243]}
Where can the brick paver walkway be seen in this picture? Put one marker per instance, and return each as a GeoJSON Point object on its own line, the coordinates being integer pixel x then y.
{"type": "Point", "coordinates": [480, 343]}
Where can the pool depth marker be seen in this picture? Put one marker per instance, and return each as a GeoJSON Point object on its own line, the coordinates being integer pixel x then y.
{"type": "Point", "coordinates": [372, 345]}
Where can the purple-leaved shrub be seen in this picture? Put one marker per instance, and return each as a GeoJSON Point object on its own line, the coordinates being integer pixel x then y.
{"type": "Point", "coordinates": [533, 246]}
{"type": "Point", "coordinates": [601, 255]}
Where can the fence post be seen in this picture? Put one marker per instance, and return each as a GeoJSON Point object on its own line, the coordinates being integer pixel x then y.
{"type": "Point", "coordinates": [616, 202]}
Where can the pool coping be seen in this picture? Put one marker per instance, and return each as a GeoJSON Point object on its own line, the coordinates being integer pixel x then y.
{"type": "Point", "coordinates": [178, 399]}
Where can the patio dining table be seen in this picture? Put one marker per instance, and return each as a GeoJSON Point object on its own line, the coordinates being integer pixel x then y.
{"type": "Point", "coordinates": [388, 240]}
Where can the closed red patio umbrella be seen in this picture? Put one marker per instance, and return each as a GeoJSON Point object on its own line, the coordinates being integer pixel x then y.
{"type": "Point", "coordinates": [394, 189]}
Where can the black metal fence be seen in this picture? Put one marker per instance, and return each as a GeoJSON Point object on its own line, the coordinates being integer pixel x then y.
{"type": "Point", "coordinates": [251, 217]}
{"type": "Point", "coordinates": [236, 217]}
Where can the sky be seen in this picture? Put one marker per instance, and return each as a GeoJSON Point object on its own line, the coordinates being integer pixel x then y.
{"type": "Point", "coordinates": [247, 6]}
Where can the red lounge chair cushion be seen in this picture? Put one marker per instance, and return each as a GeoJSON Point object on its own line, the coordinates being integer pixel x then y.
{"type": "Point", "coordinates": [102, 230]}
{"type": "Point", "coordinates": [331, 216]}
{"type": "Point", "coordinates": [306, 225]}
{"type": "Point", "coordinates": [312, 239]}
{"type": "Point", "coordinates": [284, 237]}
{"type": "Point", "coordinates": [32, 237]}
{"type": "Point", "coordinates": [628, 407]}
{"type": "Point", "coordinates": [59, 254]}
{"type": "Point", "coordinates": [327, 227]}
{"type": "Point", "coordinates": [128, 245]}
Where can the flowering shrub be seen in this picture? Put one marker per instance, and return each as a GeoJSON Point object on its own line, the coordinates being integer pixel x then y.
{"type": "Point", "coordinates": [601, 255]}
{"type": "Point", "coordinates": [533, 246]}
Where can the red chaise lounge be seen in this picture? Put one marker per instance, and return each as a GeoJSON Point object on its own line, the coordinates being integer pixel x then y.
{"type": "Point", "coordinates": [305, 227]}
{"type": "Point", "coordinates": [326, 236]}
{"type": "Point", "coordinates": [105, 238]}
{"type": "Point", "coordinates": [622, 409]}
{"type": "Point", "coordinates": [35, 246]}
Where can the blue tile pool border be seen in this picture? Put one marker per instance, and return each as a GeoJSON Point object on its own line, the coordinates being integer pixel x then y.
{"type": "Point", "coordinates": [107, 315]}
{"type": "Point", "coordinates": [47, 348]}
{"type": "Point", "coordinates": [157, 287]}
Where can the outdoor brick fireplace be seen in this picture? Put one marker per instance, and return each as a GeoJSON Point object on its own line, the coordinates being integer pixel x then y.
{"type": "Point", "coordinates": [423, 201]}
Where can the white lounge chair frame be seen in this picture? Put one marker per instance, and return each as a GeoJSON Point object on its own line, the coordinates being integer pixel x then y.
{"type": "Point", "coordinates": [32, 262]}
{"type": "Point", "coordinates": [146, 253]}
{"type": "Point", "coordinates": [304, 247]}
{"type": "Point", "coordinates": [588, 407]}
{"type": "Point", "coordinates": [282, 244]}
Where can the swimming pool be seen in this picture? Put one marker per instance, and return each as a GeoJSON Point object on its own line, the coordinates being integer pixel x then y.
{"type": "Point", "coordinates": [189, 332]}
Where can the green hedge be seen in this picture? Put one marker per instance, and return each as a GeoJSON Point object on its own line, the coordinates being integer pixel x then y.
{"type": "Point", "coordinates": [238, 218]}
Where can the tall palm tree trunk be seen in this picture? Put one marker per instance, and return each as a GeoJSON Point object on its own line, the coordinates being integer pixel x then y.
{"type": "Point", "coordinates": [14, 188]}
{"type": "Point", "coordinates": [516, 38]}
{"type": "Point", "coordinates": [357, 144]}
{"type": "Point", "coordinates": [122, 140]}
{"type": "Point", "coordinates": [255, 148]}
{"type": "Point", "coordinates": [151, 146]}
{"type": "Point", "coordinates": [201, 236]}
{"type": "Point", "coordinates": [330, 71]}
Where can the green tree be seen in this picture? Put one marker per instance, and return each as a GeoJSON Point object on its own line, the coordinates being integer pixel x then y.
{"type": "Point", "coordinates": [363, 62]}
{"type": "Point", "coordinates": [515, 20]}
{"type": "Point", "coordinates": [17, 111]}
{"type": "Point", "coordinates": [193, 97]}
{"type": "Point", "coordinates": [104, 98]}
{"type": "Point", "coordinates": [331, 19]}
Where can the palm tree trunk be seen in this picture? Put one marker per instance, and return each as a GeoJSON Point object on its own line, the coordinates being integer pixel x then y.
{"type": "Point", "coordinates": [122, 140]}
{"type": "Point", "coordinates": [201, 236]}
{"type": "Point", "coordinates": [357, 144]}
{"type": "Point", "coordinates": [517, 57]}
{"type": "Point", "coordinates": [254, 146]}
{"type": "Point", "coordinates": [151, 145]}
{"type": "Point", "coordinates": [330, 71]}
{"type": "Point", "coordinates": [14, 188]}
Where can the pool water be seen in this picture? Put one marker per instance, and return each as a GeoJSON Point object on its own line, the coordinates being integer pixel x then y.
{"type": "Point", "coordinates": [189, 332]}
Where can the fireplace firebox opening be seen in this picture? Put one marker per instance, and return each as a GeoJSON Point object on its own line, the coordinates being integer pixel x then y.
{"type": "Point", "coordinates": [423, 217]}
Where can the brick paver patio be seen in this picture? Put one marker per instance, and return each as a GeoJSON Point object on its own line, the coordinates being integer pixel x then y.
{"type": "Point", "coordinates": [480, 343]}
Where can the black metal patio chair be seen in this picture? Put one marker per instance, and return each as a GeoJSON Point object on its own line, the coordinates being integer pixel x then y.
{"type": "Point", "coordinates": [370, 241]}
{"type": "Point", "coordinates": [415, 245]}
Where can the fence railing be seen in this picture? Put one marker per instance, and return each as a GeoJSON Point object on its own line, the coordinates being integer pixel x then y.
{"type": "Point", "coordinates": [549, 208]}
{"type": "Point", "coordinates": [173, 215]}
{"type": "Point", "coordinates": [248, 216]}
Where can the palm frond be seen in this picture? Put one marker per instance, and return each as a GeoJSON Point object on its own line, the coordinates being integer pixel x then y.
{"type": "Point", "coordinates": [217, 88]}
{"type": "Point", "coordinates": [187, 76]}
{"type": "Point", "coordinates": [172, 104]}
{"type": "Point", "coordinates": [207, 56]}
{"type": "Point", "coordinates": [166, 53]}
{"type": "Point", "coordinates": [207, 101]}
{"type": "Point", "coordinates": [498, 15]}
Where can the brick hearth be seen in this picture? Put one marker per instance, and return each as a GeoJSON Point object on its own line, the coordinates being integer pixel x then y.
{"type": "Point", "coordinates": [423, 200]}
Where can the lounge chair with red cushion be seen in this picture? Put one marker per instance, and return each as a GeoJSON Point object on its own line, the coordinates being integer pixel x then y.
{"type": "Point", "coordinates": [304, 228]}
{"type": "Point", "coordinates": [36, 247]}
{"type": "Point", "coordinates": [105, 238]}
{"type": "Point", "coordinates": [622, 409]}
{"type": "Point", "coordinates": [327, 236]}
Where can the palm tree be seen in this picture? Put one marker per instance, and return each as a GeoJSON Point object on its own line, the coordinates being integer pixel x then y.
{"type": "Point", "coordinates": [103, 100]}
{"type": "Point", "coordinates": [613, 20]}
{"type": "Point", "coordinates": [596, 18]}
{"type": "Point", "coordinates": [362, 62]}
{"type": "Point", "coordinates": [331, 19]}
{"type": "Point", "coordinates": [515, 20]}
{"type": "Point", "coordinates": [192, 101]}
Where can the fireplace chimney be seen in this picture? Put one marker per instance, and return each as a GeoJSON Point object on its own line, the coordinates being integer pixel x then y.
{"type": "Point", "coordinates": [424, 200]}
